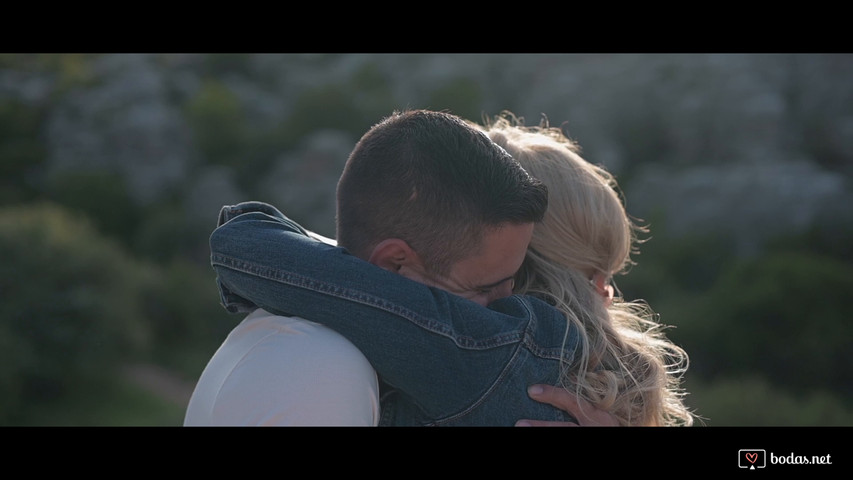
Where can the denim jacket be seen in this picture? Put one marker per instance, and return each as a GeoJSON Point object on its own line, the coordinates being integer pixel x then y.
{"type": "Point", "coordinates": [450, 360]}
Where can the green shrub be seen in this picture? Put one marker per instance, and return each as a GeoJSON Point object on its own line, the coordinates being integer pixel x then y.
{"type": "Point", "coordinates": [461, 96]}
{"type": "Point", "coordinates": [115, 403]}
{"type": "Point", "coordinates": [165, 234]}
{"type": "Point", "coordinates": [668, 266]}
{"type": "Point", "coordinates": [782, 316]}
{"type": "Point", "coordinates": [183, 310]}
{"type": "Point", "coordinates": [218, 120]}
{"type": "Point", "coordinates": [753, 401]}
{"type": "Point", "coordinates": [71, 308]}
{"type": "Point", "coordinates": [21, 150]}
{"type": "Point", "coordinates": [102, 197]}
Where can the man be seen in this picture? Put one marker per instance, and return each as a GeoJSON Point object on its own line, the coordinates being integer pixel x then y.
{"type": "Point", "coordinates": [423, 195]}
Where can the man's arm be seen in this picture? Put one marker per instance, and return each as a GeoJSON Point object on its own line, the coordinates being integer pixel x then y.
{"type": "Point", "coordinates": [403, 327]}
{"type": "Point", "coordinates": [411, 333]}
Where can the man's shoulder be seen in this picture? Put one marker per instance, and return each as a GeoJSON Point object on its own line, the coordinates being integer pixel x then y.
{"type": "Point", "coordinates": [272, 366]}
{"type": "Point", "coordinates": [266, 347]}
{"type": "Point", "coordinates": [276, 347]}
{"type": "Point", "coordinates": [268, 328]}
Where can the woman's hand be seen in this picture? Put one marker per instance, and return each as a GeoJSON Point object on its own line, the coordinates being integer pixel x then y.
{"type": "Point", "coordinates": [587, 415]}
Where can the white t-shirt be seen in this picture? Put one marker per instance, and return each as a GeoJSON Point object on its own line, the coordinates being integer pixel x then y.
{"type": "Point", "coordinates": [274, 370]}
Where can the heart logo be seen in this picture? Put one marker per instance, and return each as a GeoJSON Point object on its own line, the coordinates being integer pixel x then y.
{"type": "Point", "coordinates": [752, 457]}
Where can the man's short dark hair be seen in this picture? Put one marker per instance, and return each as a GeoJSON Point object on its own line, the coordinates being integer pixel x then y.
{"type": "Point", "coordinates": [434, 181]}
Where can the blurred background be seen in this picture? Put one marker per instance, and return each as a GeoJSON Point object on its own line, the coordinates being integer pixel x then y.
{"type": "Point", "coordinates": [113, 168]}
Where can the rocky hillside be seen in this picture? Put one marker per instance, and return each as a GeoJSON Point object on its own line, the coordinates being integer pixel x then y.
{"type": "Point", "coordinates": [750, 144]}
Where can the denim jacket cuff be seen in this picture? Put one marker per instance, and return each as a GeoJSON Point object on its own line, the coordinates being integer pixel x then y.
{"type": "Point", "coordinates": [234, 303]}
{"type": "Point", "coordinates": [230, 211]}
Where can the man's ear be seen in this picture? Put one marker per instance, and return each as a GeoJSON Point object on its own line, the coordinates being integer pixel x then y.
{"type": "Point", "coordinates": [393, 254]}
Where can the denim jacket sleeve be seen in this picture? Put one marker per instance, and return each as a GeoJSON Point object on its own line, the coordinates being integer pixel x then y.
{"type": "Point", "coordinates": [421, 340]}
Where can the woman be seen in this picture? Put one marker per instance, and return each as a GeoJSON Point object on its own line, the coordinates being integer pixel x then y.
{"type": "Point", "coordinates": [609, 352]}
{"type": "Point", "coordinates": [626, 365]}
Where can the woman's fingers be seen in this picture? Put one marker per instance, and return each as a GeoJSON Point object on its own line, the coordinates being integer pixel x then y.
{"type": "Point", "coordinates": [585, 412]}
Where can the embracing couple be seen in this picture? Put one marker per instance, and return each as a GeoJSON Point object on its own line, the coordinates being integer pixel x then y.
{"type": "Point", "coordinates": [469, 284]}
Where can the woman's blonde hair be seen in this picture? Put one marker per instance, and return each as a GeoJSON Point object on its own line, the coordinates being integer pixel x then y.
{"type": "Point", "coordinates": [626, 365]}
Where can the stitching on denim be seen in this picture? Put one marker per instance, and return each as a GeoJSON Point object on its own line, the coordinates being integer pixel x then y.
{"type": "Point", "coordinates": [428, 324]}
{"type": "Point", "coordinates": [489, 391]}
{"type": "Point", "coordinates": [551, 353]}
{"type": "Point", "coordinates": [530, 346]}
